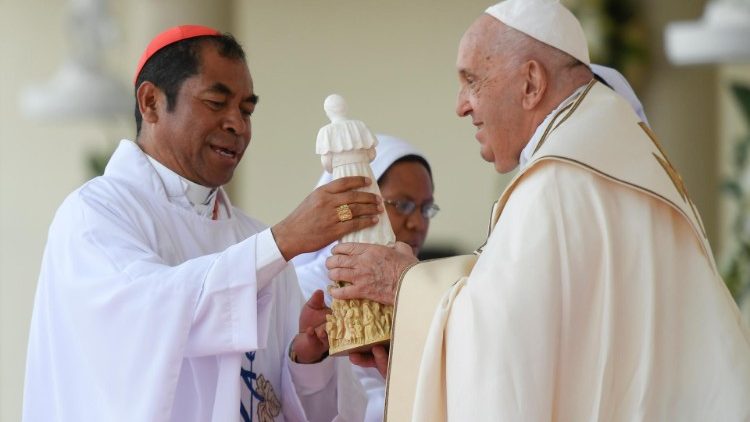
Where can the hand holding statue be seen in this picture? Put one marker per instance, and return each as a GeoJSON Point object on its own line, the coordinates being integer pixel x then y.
{"type": "Point", "coordinates": [311, 344]}
{"type": "Point", "coordinates": [373, 270]}
{"type": "Point", "coordinates": [323, 217]}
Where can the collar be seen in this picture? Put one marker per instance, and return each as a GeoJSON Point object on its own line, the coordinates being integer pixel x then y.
{"type": "Point", "coordinates": [128, 159]}
{"type": "Point", "coordinates": [185, 192]}
{"type": "Point", "coordinates": [530, 147]}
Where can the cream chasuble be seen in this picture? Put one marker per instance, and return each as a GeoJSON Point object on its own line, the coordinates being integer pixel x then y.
{"type": "Point", "coordinates": [596, 297]}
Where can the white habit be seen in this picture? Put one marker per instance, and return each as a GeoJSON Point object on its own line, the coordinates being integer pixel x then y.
{"type": "Point", "coordinates": [596, 297]}
{"type": "Point", "coordinates": [147, 311]}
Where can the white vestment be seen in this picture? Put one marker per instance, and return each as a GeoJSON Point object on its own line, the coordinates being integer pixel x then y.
{"type": "Point", "coordinates": [146, 311]}
{"type": "Point", "coordinates": [596, 297]}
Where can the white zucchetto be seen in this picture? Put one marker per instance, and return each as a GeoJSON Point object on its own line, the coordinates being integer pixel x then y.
{"type": "Point", "coordinates": [547, 21]}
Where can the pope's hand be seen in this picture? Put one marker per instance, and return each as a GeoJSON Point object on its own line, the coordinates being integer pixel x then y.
{"type": "Point", "coordinates": [373, 270]}
{"type": "Point", "coordinates": [317, 223]}
{"type": "Point", "coordinates": [311, 344]}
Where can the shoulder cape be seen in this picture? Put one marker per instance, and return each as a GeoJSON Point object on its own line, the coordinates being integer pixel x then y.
{"type": "Point", "coordinates": [598, 132]}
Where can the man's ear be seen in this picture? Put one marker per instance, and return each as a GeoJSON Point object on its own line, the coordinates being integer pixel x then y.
{"type": "Point", "coordinates": [535, 84]}
{"type": "Point", "coordinates": [148, 97]}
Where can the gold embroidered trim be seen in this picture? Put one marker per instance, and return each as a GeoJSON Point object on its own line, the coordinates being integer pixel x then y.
{"type": "Point", "coordinates": [393, 328]}
{"type": "Point", "coordinates": [679, 184]}
{"type": "Point", "coordinates": [578, 101]}
{"type": "Point", "coordinates": [706, 251]}
{"type": "Point", "coordinates": [494, 216]}
{"type": "Point", "coordinates": [571, 107]}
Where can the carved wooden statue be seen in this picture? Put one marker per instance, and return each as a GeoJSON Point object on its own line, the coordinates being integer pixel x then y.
{"type": "Point", "coordinates": [346, 148]}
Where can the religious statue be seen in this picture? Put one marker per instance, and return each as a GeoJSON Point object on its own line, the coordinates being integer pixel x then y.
{"type": "Point", "coordinates": [346, 148]}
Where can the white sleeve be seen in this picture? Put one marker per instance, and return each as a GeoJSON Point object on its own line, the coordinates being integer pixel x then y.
{"type": "Point", "coordinates": [244, 311]}
{"type": "Point", "coordinates": [308, 390]}
{"type": "Point", "coordinates": [327, 391]}
{"type": "Point", "coordinates": [324, 391]}
{"type": "Point", "coordinates": [373, 385]}
{"type": "Point", "coordinates": [208, 305]}
{"type": "Point", "coordinates": [312, 386]}
{"type": "Point", "coordinates": [312, 272]}
{"type": "Point", "coordinates": [268, 258]}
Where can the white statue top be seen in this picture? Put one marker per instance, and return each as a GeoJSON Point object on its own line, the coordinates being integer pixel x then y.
{"type": "Point", "coordinates": [346, 148]}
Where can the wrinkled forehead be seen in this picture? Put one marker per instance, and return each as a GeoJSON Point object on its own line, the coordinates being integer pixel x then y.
{"type": "Point", "coordinates": [482, 36]}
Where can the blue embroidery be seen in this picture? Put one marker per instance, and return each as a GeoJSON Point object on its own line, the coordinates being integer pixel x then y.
{"type": "Point", "coordinates": [243, 413]}
{"type": "Point", "coordinates": [250, 378]}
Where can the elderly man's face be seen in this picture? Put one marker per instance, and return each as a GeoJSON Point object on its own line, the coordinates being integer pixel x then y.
{"type": "Point", "coordinates": [205, 136]}
{"type": "Point", "coordinates": [490, 93]}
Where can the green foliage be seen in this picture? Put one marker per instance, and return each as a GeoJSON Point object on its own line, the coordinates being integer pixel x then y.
{"type": "Point", "coordinates": [96, 162]}
{"type": "Point", "coordinates": [742, 93]}
{"type": "Point", "coordinates": [736, 268]}
{"type": "Point", "coordinates": [616, 33]}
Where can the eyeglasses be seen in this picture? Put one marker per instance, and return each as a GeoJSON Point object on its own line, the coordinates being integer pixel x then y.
{"type": "Point", "coordinates": [406, 207]}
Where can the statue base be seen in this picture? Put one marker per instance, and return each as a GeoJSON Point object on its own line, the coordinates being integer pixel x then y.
{"type": "Point", "coordinates": [354, 348]}
{"type": "Point", "coordinates": [357, 325]}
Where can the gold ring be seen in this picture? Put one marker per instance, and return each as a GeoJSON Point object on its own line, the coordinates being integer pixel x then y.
{"type": "Point", "coordinates": [344, 212]}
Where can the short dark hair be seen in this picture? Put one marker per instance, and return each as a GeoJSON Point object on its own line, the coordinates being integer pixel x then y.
{"type": "Point", "coordinates": [168, 68]}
